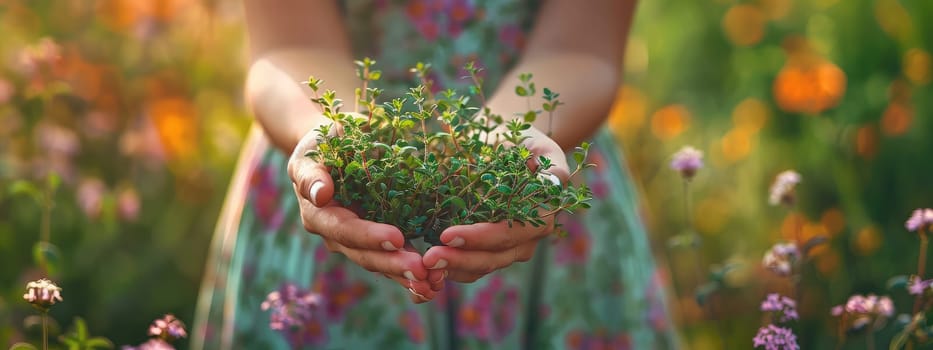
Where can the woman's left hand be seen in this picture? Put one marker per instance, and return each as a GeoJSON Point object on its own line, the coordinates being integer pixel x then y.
{"type": "Point", "coordinates": [473, 251]}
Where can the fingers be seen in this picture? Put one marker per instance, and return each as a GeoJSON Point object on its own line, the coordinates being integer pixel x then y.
{"type": "Point", "coordinates": [469, 265]}
{"type": "Point", "coordinates": [546, 147]}
{"type": "Point", "coordinates": [344, 227]}
{"type": "Point", "coordinates": [311, 179]}
{"type": "Point", "coordinates": [492, 236]}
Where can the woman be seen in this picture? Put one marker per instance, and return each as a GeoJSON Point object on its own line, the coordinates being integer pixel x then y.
{"type": "Point", "coordinates": [270, 284]}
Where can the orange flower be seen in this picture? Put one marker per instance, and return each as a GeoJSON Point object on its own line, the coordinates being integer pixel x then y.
{"type": "Point", "coordinates": [174, 120]}
{"type": "Point", "coordinates": [809, 85]}
{"type": "Point", "coordinates": [669, 121]}
{"type": "Point", "coordinates": [896, 119]}
{"type": "Point", "coordinates": [744, 24]}
{"type": "Point", "coordinates": [866, 141]}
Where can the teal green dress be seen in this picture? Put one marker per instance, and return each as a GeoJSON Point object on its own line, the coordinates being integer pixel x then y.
{"type": "Point", "coordinates": [268, 284]}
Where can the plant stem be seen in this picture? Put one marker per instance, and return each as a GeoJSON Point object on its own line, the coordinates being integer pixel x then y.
{"type": "Point", "coordinates": [695, 244]}
{"type": "Point", "coordinates": [870, 339]}
{"type": "Point", "coordinates": [46, 232]}
{"type": "Point", "coordinates": [921, 266]}
{"type": "Point", "coordinates": [45, 330]}
{"type": "Point", "coordinates": [697, 254]}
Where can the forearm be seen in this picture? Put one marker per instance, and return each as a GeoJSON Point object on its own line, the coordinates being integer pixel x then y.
{"type": "Point", "coordinates": [290, 40]}
{"type": "Point", "coordinates": [281, 103]}
{"type": "Point", "coordinates": [586, 91]}
{"type": "Point", "coordinates": [575, 51]}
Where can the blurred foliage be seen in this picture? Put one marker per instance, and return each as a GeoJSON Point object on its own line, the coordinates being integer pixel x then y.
{"type": "Point", "coordinates": [142, 118]}
{"type": "Point", "coordinates": [137, 106]}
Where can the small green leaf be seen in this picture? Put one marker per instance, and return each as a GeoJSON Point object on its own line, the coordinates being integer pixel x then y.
{"type": "Point", "coordinates": [455, 203]}
{"type": "Point", "coordinates": [504, 189]}
{"type": "Point", "coordinates": [521, 91]}
{"type": "Point", "coordinates": [99, 343]}
{"type": "Point", "coordinates": [80, 328]}
{"type": "Point", "coordinates": [53, 181]}
{"type": "Point", "coordinates": [900, 339]}
{"type": "Point", "coordinates": [705, 291]}
{"type": "Point", "coordinates": [578, 157]}
{"type": "Point", "coordinates": [530, 116]}
{"type": "Point", "coordinates": [22, 346]}
{"type": "Point", "coordinates": [26, 188]}
{"type": "Point", "coordinates": [898, 282]}
{"type": "Point", "coordinates": [47, 256]}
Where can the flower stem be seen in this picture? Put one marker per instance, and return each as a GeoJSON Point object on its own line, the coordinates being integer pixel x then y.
{"type": "Point", "coordinates": [47, 215]}
{"type": "Point", "coordinates": [870, 339]}
{"type": "Point", "coordinates": [45, 330]}
{"type": "Point", "coordinates": [921, 266]}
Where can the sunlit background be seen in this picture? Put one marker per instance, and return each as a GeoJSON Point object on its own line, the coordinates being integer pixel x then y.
{"type": "Point", "coordinates": [137, 106]}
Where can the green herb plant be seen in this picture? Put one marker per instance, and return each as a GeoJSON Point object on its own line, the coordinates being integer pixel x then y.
{"type": "Point", "coordinates": [425, 162]}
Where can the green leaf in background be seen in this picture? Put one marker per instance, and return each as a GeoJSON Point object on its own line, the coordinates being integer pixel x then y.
{"type": "Point", "coordinates": [79, 339]}
{"type": "Point", "coordinates": [48, 257]}
{"type": "Point", "coordinates": [704, 292]}
{"type": "Point", "coordinates": [898, 282]}
{"type": "Point", "coordinates": [23, 187]}
{"type": "Point", "coordinates": [22, 346]}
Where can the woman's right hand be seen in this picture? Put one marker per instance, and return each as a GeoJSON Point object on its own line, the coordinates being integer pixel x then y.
{"type": "Point", "coordinates": [375, 247]}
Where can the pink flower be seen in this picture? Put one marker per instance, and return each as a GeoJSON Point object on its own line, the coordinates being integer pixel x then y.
{"type": "Point", "coordinates": [168, 328]}
{"type": "Point", "coordinates": [782, 190]}
{"type": "Point", "coordinates": [91, 197]}
{"type": "Point", "coordinates": [42, 294]}
{"type": "Point", "coordinates": [687, 161]}
{"type": "Point", "coordinates": [786, 307]}
{"type": "Point", "coordinates": [128, 204]}
{"type": "Point", "coordinates": [772, 337]}
{"type": "Point", "coordinates": [6, 91]}
{"type": "Point", "coordinates": [860, 311]}
{"type": "Point", "coordinates": [920, 219]}
{"type": "Point", "coordinates": [57, 140]}
{"type": "Point", "coordinates": [781, 258]}
{"type": "Point", "coordinates": [295, 313]}
{"type": "Point", "coordinates": [152, 344]}
{"type": "Point", "coordinates": [917, 287]}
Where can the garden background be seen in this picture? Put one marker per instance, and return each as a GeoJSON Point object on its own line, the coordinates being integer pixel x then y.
{"type": "Point", "coordinates": [137, 106]}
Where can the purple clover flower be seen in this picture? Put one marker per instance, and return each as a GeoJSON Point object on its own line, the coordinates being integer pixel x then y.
{"type": "Point", "coordinates": [860, 311]}
{"type": "Point", "coordinates": [917, 286]}
{"type": "Point", "coordinates": [152, 344]}
{"type": "Point", "coordinates": [782, 190]}
{"type": "Point", "coordinates": [772, 337]}
{"type": "Point", "coordinates": [781, 258]}
{"type": "Point", "coordinates": [296, 314]}
{"type": "Point", "coordinates": [42, 294]}
{"type": "Point", "coordinates": [687, 161]}
{"type": "Point", "coordinates": [921, 219]}
{"type": "Point", "coordinates": [168, 328]}
{"type": "Point", "coordinates": [786, 306]}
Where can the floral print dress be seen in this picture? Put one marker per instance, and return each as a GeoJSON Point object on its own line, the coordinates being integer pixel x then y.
{"type": "Point", "coordinates": [270, 285]}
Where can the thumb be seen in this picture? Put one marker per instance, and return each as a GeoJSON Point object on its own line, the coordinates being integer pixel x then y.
{"type": "Point", "coordinates": [545, 147]}
{"type": "Point", "coordinates": [311, 179]}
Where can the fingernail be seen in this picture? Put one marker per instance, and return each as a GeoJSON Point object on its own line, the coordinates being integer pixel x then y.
{"type": "Point", "coordinates": [315, 187]}
{"type": "Point", "coordinates": [412, 290]}
{"type": "Point", "coordinates": [410, 276]}
{"type": "Point", "coordinates": [548, 177]}
{"type": "Point", "coordinates": [441, 263]}
{"type": "Point", "coordinates": [388, 246]}
{"type": "Point", "coordinates": [456, 242]}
